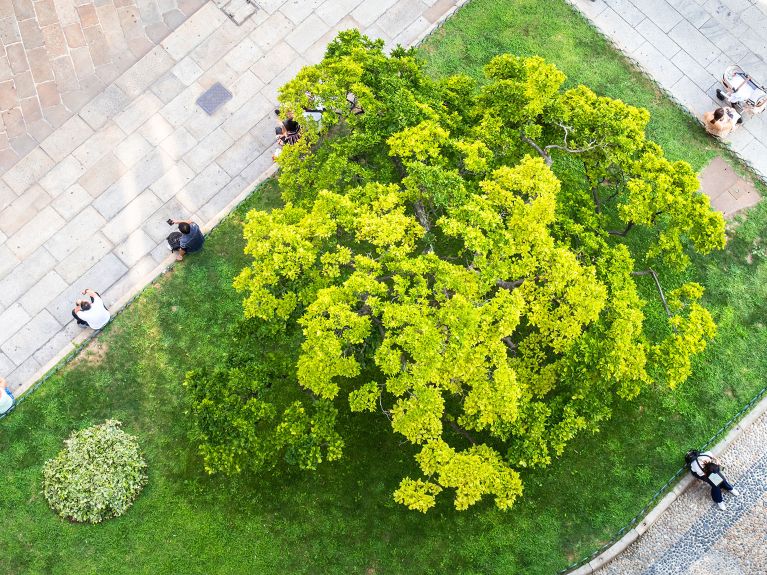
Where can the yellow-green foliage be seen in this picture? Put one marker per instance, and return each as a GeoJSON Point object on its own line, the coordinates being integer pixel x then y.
{"type": "Point", "coordinates": [442, 273]}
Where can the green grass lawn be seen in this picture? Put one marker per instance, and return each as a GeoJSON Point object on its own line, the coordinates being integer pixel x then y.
{"type": "Point", "coordinates": [342, 519]}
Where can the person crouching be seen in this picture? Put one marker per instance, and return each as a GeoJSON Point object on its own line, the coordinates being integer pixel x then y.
{"type": "Point", "coordinates": [94, 313]}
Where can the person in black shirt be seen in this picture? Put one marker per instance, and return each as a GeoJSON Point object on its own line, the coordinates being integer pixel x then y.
{"type": "Point", "coordinates": [187, 239]}
{"type": "Point", "coordinates": [289, 130]}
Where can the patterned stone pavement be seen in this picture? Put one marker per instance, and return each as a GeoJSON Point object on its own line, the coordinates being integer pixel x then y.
{"type": "Point", "coordinates": [56, 55]}
{"type": "Point", "coordinates": [87, 207]}
{"type": "Point", "coordinates": [693, 537]}
{"type": "Point", "coordinates": [685, 45]}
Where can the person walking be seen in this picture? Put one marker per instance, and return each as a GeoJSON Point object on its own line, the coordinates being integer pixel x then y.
{"type": "Point", "coordinates": [707, 468]}
{"type": "Point", "coordinates": [94, 313]}
{"type": "Point", "coordinates": [188, 239]}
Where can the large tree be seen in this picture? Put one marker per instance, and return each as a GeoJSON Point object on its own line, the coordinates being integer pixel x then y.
{"type": "Point", "coordinates": [465, 259]}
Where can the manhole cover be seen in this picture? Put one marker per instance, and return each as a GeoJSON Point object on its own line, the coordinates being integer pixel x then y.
{"type": "Point", "coordinates": [237, 10]}
{"type": "Point", "coordinates": [214, 98]}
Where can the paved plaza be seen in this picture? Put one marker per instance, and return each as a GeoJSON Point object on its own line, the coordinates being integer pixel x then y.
{"type": "Point", "coordinates": [56, 55]}
{"type": "Point", "coordinates": [87, 206]}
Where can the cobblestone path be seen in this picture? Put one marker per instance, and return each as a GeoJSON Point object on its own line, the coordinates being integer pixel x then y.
{"type": "Point", "coordinates": [694, 537]}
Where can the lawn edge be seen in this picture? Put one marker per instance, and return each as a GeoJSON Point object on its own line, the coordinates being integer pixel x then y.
{"type": "Point", "coordinates": [79, 342]}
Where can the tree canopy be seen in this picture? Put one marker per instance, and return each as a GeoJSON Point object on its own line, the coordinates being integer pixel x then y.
{"type": "Point", "coordinates": [464, 259]}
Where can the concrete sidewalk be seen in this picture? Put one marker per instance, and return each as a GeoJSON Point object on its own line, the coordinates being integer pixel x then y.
{"type": "Point", "coordinates": [56, 55]}
{"type": "Point", "coordinates": [87, 208]}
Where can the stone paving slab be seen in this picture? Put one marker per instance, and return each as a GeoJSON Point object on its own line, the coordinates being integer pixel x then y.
{"type": "Point", "coordinates": [728, 192]}
{"type": "Point", "coordinates": [87, 206]}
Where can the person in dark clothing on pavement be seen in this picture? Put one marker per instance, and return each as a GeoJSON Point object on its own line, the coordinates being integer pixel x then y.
{"type": "Point", "coordinates": [188, 239]}
{"type": "Point", "coordinates": [706, 468]}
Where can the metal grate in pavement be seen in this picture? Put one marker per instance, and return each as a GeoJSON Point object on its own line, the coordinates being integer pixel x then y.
{"type": "Point", "coordinates": [237, 10]}
{"type": "Point", "coordinates": [215, 97]}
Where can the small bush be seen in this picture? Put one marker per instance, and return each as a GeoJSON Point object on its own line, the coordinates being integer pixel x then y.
{"type": "Point", "coordinates": [97, 476]}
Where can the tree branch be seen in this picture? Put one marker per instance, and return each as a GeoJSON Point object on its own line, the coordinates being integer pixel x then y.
{"type": "Point", "coordinates": [591, 146]}
{"type": "Point", "coordinates": [622, 233]}
{"type": "Point", "coordinates": [546, 157]}
{"type": "Point", "coordinates": [462, 431]}
{"type": "Point", "coordinates": [510, 285]}
{"type": "Point", "coordinates": [380, 403]}
{"type": "Point", "coordinates": [651, 272]}
{"type": "Point", "coordinates": [420, 213]}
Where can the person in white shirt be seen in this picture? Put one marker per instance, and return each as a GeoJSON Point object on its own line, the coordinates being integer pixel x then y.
{"type": "Point", "coordinates": [92, 313]}
{"type": "Point", "coordinates": [706, 467]}
{"type": "Point", "coordinates": [7, 400]}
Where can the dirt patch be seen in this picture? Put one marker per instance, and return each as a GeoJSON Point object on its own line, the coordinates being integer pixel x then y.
{"type": "Point", "coordinates": [93, 354]}
{"type": "Point", "coordinates": [728, 192]}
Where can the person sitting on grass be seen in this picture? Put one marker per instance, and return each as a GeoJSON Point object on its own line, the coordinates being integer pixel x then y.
{"type": "Point", "coordinates": [94, 313]}
{"type": "Point", "coordinates": [188, 239]}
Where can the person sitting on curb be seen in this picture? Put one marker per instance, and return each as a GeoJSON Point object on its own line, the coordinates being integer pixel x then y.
{"type": "Point", "coordinates": [94, 313]}
{"type": "Point", "coordinates": [721, 121]}
{"type": "Point", "coordinates": [7, 401]}
{"type": "Point", "coordinates": [186, 240]}
{"type": "Point", "coordinates": [706, 468]}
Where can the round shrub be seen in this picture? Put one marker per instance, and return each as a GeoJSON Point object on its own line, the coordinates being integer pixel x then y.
{"type": "Point", "coordinates": [97, 476]}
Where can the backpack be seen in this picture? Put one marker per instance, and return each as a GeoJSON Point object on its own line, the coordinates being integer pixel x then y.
{"type": "Point", "coordinates": [691, 456]}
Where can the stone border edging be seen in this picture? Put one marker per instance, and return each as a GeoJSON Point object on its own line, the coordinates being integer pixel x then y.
{"type": "Point", "coordinates": [634, 533]}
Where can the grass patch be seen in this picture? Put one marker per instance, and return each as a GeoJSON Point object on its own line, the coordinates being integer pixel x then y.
{"type": "Point", "coordinates": [342, 519]}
